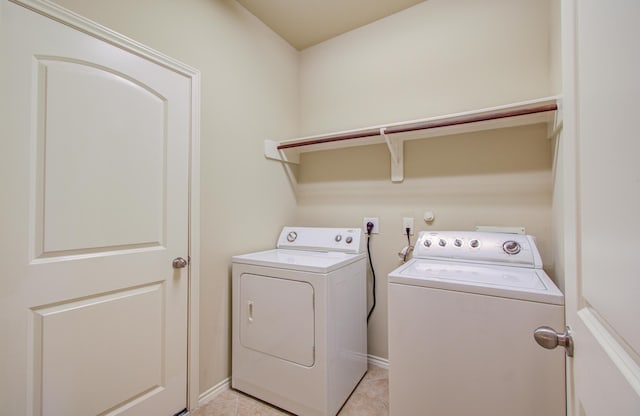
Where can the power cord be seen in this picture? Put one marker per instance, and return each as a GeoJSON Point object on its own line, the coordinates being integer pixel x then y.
{"type": "Point", "coordinates": [409, 247]}
{"type": "Point", "coordinates": [373, 272]}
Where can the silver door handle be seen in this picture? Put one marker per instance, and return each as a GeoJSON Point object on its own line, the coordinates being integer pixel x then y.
{"type": "Point", "coordinates": [179, 263]}
{"type": "Point", "coordinates": [250, 310]}
{"type": "Point", "coordinates": [548, 338]}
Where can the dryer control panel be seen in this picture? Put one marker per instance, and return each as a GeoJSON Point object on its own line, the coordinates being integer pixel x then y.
{"type": "Point", "coordinates": [342, 240]}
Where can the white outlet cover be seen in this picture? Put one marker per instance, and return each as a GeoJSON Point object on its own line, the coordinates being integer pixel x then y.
{"type": "Point", "coordinates": [376, 224]}
{"type": "Point", "coordinates": [407, 222]}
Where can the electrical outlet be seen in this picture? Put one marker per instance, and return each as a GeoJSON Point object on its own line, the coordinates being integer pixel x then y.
{"type": "Point", "coordinates": [374, 221]}
{"type": "Point", "coordinates": [407, 222]}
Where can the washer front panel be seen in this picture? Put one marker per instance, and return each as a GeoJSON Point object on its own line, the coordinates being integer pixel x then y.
{"type": "Point", "coordinates": [456, 353]}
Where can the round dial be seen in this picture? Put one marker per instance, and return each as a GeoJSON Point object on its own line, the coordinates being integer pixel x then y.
{"type": "Point", "coordinates": [338, 238]}
{"type": "Point", "coordinates": [442, 242]}
{"type": "Point", "coordinates": [349, 240]}
{"type": "Point", "coordinates": [291, 237]}
{"type": "Point", "coordinates": [427, 243]}
{"type": "Point", "coordinates": [511, 247]}
{"type": "Point", "coordinates": [474, 243]}
{"type": "Point", "coordinates": [457, 242]}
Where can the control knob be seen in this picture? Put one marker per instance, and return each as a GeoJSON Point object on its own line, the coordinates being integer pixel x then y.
{"type": "Point", "coordinates": [511, 247]}
{"type": "Point", "coordinates": [291, 237]}
{"type": "Point", "coordinates": [427, 243]}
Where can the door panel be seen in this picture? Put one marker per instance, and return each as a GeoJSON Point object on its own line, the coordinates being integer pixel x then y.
{"type": "Point", "coordinates": [608, 94]}
{"type": "Point", "coordinates": [74, 373]}
{"type": "Point", "coordinates": [84, 127]}
{"type": "Point", "coordinates": [602, 171]}
{"type": "Point", "coordinates": [95, 173]}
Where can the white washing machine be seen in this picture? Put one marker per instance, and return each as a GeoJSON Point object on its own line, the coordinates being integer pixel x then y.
{"type": "Point", "coordinates": [299, 331]}
{"type": "Point", "coordinates": [462, 313]}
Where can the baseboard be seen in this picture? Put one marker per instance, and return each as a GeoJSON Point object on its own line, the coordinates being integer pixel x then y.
{"type": "Point", "coordinates": [214, 391]}
{"type": "Point", "coordinates": [378, 361]}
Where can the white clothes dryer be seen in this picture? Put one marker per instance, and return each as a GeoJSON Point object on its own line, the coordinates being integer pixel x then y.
{"type": "Point", "coordinates": [299, 324]}
{"type": "Point", "coordinates": [462, 313]}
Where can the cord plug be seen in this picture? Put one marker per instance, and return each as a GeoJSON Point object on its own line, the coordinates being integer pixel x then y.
{"type": "Point", "coordinates": [369, 228]}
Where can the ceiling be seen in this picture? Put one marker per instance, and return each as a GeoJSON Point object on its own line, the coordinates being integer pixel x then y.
{"type": "Point", "coordinates": [304, 23]}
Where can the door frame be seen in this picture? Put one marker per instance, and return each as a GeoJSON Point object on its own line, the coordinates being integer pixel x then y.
{"type": "Point", "coordinates": [569, 150]}
{"type": "Point", "coordinates": [75, 21]}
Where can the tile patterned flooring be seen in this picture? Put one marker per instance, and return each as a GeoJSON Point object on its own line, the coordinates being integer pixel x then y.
{"type": "Point", "coordinates": [370, 398]}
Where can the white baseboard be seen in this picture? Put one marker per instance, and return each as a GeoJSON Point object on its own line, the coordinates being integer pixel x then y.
{"type": "Point", "coordinates": [214, 391]}
{"type": "Point", "coordinates": [378, 361]}
{"type": "Point", "coordinates": [226, 383]}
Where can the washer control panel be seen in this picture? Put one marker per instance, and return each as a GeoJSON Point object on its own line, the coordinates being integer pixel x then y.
{"type": "Point", "coordinates": [345, 240]}
{"type": "Point", "coordinates": [480, 247]}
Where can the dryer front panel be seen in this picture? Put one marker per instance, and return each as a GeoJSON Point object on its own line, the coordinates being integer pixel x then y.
{"type": "Point", "coordinates": [277, 318]}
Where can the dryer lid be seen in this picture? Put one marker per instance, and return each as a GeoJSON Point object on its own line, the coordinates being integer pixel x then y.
{"type": "Point", "coordinates": [309, 261]}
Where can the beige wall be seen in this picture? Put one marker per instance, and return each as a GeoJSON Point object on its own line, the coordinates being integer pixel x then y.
{"type": "Point", "coordinates": [435, 58]}
{"type": "Point", "coordinates": [500, 178]}
{"type": "Point", "coordinates": [559, 153]}
{"type": "Point", "coordinates": [249, 93]}
{"type": "Point", "coordinates": [555, 46]}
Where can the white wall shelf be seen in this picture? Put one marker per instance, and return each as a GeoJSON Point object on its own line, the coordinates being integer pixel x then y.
{"type": "Point", "coordinates": [543, 110]}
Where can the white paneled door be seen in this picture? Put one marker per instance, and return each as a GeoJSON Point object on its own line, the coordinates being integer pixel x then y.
{"type": "Point", "coordinates": [94, 162]}
{"type": "Point", "coordinates": [602, 229]}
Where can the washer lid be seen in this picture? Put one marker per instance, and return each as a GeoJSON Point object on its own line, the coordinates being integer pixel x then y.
{"type": "Point", "coordinates": [504, 281]}
{"type": "Point", "coordinates": [309, 261]}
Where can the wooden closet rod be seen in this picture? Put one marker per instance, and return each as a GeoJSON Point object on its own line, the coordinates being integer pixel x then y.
{"type": "Point", "coordinates": [424, 125]}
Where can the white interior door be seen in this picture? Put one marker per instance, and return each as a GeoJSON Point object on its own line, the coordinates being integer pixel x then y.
{"type": "Point", "coordinates": [94, 162]}
{"type": "Point", "coordinates": [602, 145]}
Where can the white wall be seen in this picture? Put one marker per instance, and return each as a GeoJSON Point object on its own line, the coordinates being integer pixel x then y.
{"type": "Point", "coordinates": [249, 93]}
{"type": "Point", "coordinates": [435, 58]}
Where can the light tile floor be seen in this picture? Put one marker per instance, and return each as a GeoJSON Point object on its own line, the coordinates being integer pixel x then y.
{"type": "Point", "coordinates": [370, 398]}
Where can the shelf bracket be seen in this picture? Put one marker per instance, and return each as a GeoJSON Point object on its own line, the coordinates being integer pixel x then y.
{"type": "Point", "coordinates": [555, 127]}
{"type": "Point", "coordinates": [271, 152]}
{"type": "Point", "coordinates": [396, 152]}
